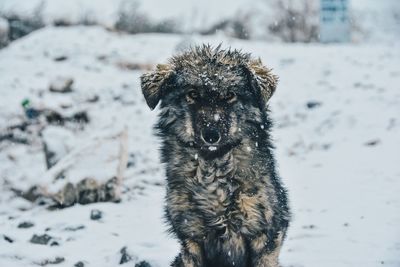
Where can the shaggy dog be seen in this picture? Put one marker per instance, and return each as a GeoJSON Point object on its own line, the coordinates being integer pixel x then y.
{"type": "Point", "coordinates": [225, 202]}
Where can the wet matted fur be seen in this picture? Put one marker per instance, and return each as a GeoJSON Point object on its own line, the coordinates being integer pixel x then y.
{"type": "Point", "coordinates": [225, 202]}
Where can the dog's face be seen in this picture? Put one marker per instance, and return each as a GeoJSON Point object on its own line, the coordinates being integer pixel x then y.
{"type": "Point", "coordinates": [210, 99]}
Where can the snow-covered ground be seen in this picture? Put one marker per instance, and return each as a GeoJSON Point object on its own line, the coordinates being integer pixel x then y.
{"type": "Point", "coordinates": [337, 133]}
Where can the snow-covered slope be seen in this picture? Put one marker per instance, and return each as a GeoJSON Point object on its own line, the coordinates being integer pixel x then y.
{"type": "Point", "coordinates": [337, 133]}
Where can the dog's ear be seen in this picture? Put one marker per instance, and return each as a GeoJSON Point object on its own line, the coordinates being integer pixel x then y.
{"type": "Point", "coordinates": [262, 80]}
{"type": "Point", "coordinates": [152, 84]}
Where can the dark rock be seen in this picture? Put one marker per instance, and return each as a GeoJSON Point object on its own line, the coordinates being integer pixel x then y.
{"type": "Point", "coordinates": [96, 215]}
{"type": "Point", "coordinates": [93, 99]}
{"type": "Point", "coordinates": [313, 104]}
{"type": "Point", "coordinates": [74, 228]}
{"type": "Point", "coordinates": [41, 239]}
{"type": "Point", "coordinates": [142, 264]}
{"type": "Point", "coordinates": [8, 239]}
{"type": "Point", "coordinates": [53, 117]}
{"type": "Point", "coordinates": [57, 260]}
{"type": "Point", "coordinates": [80, 117]}
{"type": "Point", "coordinates": [79, 264]}
{"type": "Point", "coordinates": [373, 142]}
{"type": "Point", "coordinates": [25, 225]}
{"type": "Point", "coordinates": [60, 58]}
{"type": "Point", "coordinates": [87, 191]}
{"type": "Point", "coordinates": [108, 191]}
{"type": "Point", "coordinates": [60, 22]}
{"type": "Point", "coordinates": [125, 256]}
{"type": "Point", "coordinates": [66, 197]}
{"type": "Point", "coordinates": [42, 201]}
{"type": "Point", "coordinates": [54, 244]}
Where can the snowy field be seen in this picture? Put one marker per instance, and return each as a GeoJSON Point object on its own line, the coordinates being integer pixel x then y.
{"type": "Point", "coordinates": [337, 133]}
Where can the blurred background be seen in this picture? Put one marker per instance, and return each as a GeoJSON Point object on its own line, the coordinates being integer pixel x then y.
{"type": "Point", "coordinates": [269, 20]}
{"type": "Point", "coordinates": [81, 183]}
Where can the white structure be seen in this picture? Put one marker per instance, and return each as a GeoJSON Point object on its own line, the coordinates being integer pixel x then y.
{"type": "Point", "coordinates": [334, 21]}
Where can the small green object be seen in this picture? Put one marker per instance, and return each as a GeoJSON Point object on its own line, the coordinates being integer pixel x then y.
{"type": "Point", "coordinates": [26, 103]}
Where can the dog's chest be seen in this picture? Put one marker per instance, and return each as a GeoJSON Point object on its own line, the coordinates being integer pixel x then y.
{"type": "Point", "coordinates": [227, 203]}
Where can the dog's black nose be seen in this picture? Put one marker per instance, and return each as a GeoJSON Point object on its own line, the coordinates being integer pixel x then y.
{"type": "Point", "coordinates": [211, 135]}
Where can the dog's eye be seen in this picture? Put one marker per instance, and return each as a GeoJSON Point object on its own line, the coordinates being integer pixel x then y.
{"type": "Point", "coordinates": [192, 96]}
{"type": "Point", "coordinates": [230, 97]}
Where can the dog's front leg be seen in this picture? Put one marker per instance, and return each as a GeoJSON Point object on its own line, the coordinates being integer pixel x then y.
{"type": "Point", "coordinates": [191, 255]}
{"type": "Point", "coordinates": [263, 254]}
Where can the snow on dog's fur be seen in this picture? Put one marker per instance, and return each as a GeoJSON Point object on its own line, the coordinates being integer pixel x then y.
{"type": "Point", "coordinates": [225, 201]}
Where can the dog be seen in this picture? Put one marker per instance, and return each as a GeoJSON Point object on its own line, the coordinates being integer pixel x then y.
{"type": "Point", "coordinates": [225, 201]}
